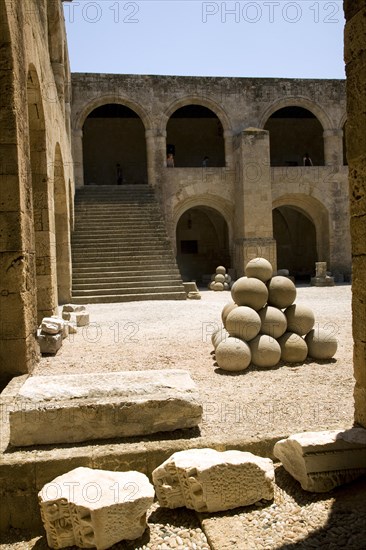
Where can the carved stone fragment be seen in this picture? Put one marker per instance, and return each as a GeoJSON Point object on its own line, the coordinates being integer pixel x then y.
{"type": "Point", "coordinates": [49, 343]}
{"type": "Point", "coordinates": [95, 508]}
{"type": "Point", "coordinates": [321, 461]}
{"type": "Point", "coordinates": [206, 480]}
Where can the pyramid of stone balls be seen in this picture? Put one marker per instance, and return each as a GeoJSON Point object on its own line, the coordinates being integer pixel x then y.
{"type": "Point", "coordinates": [220, 280]}
{"type": "Point", "coordinates": [263, 325]}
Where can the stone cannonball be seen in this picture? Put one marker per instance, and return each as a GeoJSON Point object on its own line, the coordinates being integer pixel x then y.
{"type": "Point", "coordinates": [219, 278]}
{"type": "Point", "coordinates": [281, 292]}
{"type": "Point", "coordinates": [293, 347]}
{"type": "Point", "coordinates": [266, 351]}
{"type": "Point", "coordinates": [243, 322]}
{"type": "Point", "coordinates": [211, 285]}
{"type": "Point", "coordinates": [221, 270]}
{"type": "Point", "coordinates": [233, 354]}
{"type": "Point", "coordinates": [249, 292]}
{"type": "Point", "coordinates": [321, 343]}
{"type": "Point", "coordinates": [218, 286]}
{"type": "Point", "coordinates": [259, 268]}
{"type": "Point", "coordinates": [220, 336]}
{"type": "Point", "coordinates": [227, 278]}
{"type": "Point", "coordinates": [226, 310]}
{"type": "Point", "coordinates": [226, 286]}
{"type": "Point", "coordinates": [273, 321]}
{"type": "Point", "coordinates": [300, 319]}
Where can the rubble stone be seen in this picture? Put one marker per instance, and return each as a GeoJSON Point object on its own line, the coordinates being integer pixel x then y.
{"type": "Point", "coordinates": [95, 508]}
{"type": "Point", "coordinates": [206, 480]}
{"type": "Point", "coordinates": [49, 343]}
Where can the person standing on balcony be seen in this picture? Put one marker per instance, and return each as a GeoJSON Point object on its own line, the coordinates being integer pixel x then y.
{"type": "Point", "coordinates": [307, 160]}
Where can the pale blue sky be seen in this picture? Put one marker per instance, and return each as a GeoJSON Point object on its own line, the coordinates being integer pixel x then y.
{"type": "Point", "coordinates": [278, 38]}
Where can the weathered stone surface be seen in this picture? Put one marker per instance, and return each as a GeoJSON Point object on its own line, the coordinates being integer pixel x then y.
{"type": "Point", "coordinates": [248, 291]}
{"type": "Point", "coordinates": [66, 315]}
{"type": "Point", "coordinates": [273, 321]}
{"type": "Point", "coordinates": [206, 480]}
{"type": "Point", "coordinates": [82, 318]}
{"type": "Point", "coordinates": [281, 292]}
{"type": "Point", "coordinates": [259, 268]}
{"type": "Point", "coordinates": [99, 406]}
{"type": "Point", "coordinates": [293, 347]}
{"type": "Point", "coordinates": [95, 508]}
{"type": "Point", "coordinates": [322, 344]}
{"type": "Point", "coordinates": [73, 308]}
{"type": "Point", "coordinates": [226, 310]}
{"type": "Point", "coordinates": [49, 343]}
{"type": "Point", "coordinates": [266, 351]}
{"type": "Point", "coordinates": [232, 354]}
{"type": "Point", "coordinates": [300, 319]}
{"type": "Point", "coordinates": [51, 325]}
{"type": "Point", "coordinates": [321, 461]}
{"type": "Point", "coordinates": [243, 322]}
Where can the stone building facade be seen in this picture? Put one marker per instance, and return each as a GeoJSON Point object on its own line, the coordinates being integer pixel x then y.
{"type": "Point", "coordinates": [36, 175]}
{"type": "Point", "coordinates": [252, 195]}
{"type": "Point", "coordinates": [238, 188]}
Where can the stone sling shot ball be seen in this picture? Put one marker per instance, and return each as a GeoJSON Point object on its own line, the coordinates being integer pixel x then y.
{"type": "Point", "coordinates": [300, 319]}
{"type": "Point", "coordinates": [248, 291]}
{"type": "Point", "coordinates": [281, 292]}
{"type": "Point", "coordinates": [293, 347]}
{"type": "Point", "coordinates": [233, 354]}
{"type": "Point", "coordinates": [321, 344]}
{"type": "Point", "coordinates": [226, 310]}
{"type": "Point", "coordinates": [221, 270]}
{"type": "Point", "coordinates": [259, 268]}
{"type": "Point", "coordinates": [243, 322]}
{"type": "Point", "coordinates": [273, 321]}
{"type": "Point", "coordinates": [266, 351]}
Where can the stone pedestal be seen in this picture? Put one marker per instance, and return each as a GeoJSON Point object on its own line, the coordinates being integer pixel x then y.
{"type": "Point", "coordinates": [321, 277]}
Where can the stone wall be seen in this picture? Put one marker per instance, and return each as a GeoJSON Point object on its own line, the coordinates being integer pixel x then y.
{"type": "Point", "coordinates": [355, 58]}
{"type": "Point", "coordinates": [36, 172]}
{"type": "Point", "coordinates": [245, 190]}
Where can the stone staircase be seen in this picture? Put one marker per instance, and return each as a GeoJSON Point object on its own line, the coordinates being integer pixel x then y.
{"type": "Point", "coordinates": [120, 248]}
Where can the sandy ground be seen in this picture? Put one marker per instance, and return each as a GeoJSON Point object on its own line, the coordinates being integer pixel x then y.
{"type": "Point", "coordinates": [177, 334]}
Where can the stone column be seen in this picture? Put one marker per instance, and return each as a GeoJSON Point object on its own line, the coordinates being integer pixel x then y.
{"type": "Point", "coordinates": [229, 153]}
{"type": "Point", "coordinates": [59, 74]}
{"type": "Point", "coordinates": [355, 11]}
{"type": "Point", "coordinates": [150, 156]}
{"type": "Point", "coordinates": [253, 232]}
{"type": "Point", "coordinates": [77, 154]}
{"type": "Point", "coordinates": [333, 147]}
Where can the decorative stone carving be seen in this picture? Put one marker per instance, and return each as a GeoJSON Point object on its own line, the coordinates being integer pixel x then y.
{"type": "Point", "coordinates": [206, 480]}
{"type": "Point", "coordinates": [82, 407]}
{"type": "Point", "coordinates": [321, 461]}
{"type": "Point", "coordinates": [95, 508]}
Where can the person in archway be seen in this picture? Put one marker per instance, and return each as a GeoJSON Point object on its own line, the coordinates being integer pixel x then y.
{"type": "Point", "coordinates": [205, 162]}
{"type": "Point", "coordinates": [119, 174]}
{"type": "Point", "coordinates": [170, 160]}
{"type": "Point", "coordinates": [307, 160]}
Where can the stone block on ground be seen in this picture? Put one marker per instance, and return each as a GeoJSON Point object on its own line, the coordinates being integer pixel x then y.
{"type": "Point", "coordinates": [49, 343]}
{"type": "Point", "coordinates": [73, 308]}
{"type": "Point", "coordinates": [66, 315]}
{"type": "Point", "coordinates": [82, 319]}
{"type": "Point", "coordinates": [51, 325]}
{"type": "Point", "coordinates": [82, 407]}
{"type": "Point", "coordinates": [321, 461]}
{"type": "Point", "coordinates": [71, 327]}
{"type": "Point", "coordinates": [206, 480]}
{"type": "Point", "coordinates": [95, 508]}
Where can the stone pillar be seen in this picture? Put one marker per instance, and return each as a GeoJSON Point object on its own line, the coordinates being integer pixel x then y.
{"type": "Point", "coordinates": [355, 11]}
{"type": "Point", "coordinates": [150, 156]}
{"type": "Point", "coordinates": [253, 232]}
{"type": "Point", "coordinates": [77, 155]}
{"type": "Point", "coordinates": [229, 153]}
{"type": "Point", "coordinates": [333, 147]}
{"type": "Point", "coordinates": [59, 74]}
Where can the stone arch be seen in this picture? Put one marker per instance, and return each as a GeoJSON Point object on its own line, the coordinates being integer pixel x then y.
{"type": "Point", "coordinates": [303, 102]}
{"type": "Point", "coordinates": [224, 207]}
{"type": "Point", "coordinates": [114, 146]}
{"type": "Point", "coordinates": [41, 200]}
{"type": "Point", "coordinates": [196, 128]}
{"type": "Point", "coordinates": [294, 132]}
{"type": "Point", "coordinates": [62, 229]}
{"type": "Point", "coordinates": [111, 99]}
{"type": "Point", "coordinates": [318, 216]}
{"type": "Point", "coordinates": [202, 242]}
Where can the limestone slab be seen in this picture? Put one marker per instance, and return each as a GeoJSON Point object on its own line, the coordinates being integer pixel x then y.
{"type": "Point", "coordinates": [82, 407]}
{"type": "Point", "coordinates": [207, 480]}
{"type": "Point", "coordinates": [321, 461]}
{"type": "Point", "coordinates": [95, 508]}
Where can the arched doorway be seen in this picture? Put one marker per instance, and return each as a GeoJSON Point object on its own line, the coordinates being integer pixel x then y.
{"type": "Point", "coordinates": [293, 132]}
{"type": "Point", "coordinates": [114, 146]}
{"type": "Point", "coordinates": [62, 231]}
{"type": "Point", "coordinates": [295, 235]}
{"type": "Point", "coordinates": [202, 243]}
{"type": "Point", "coordinates": [195, 136]}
